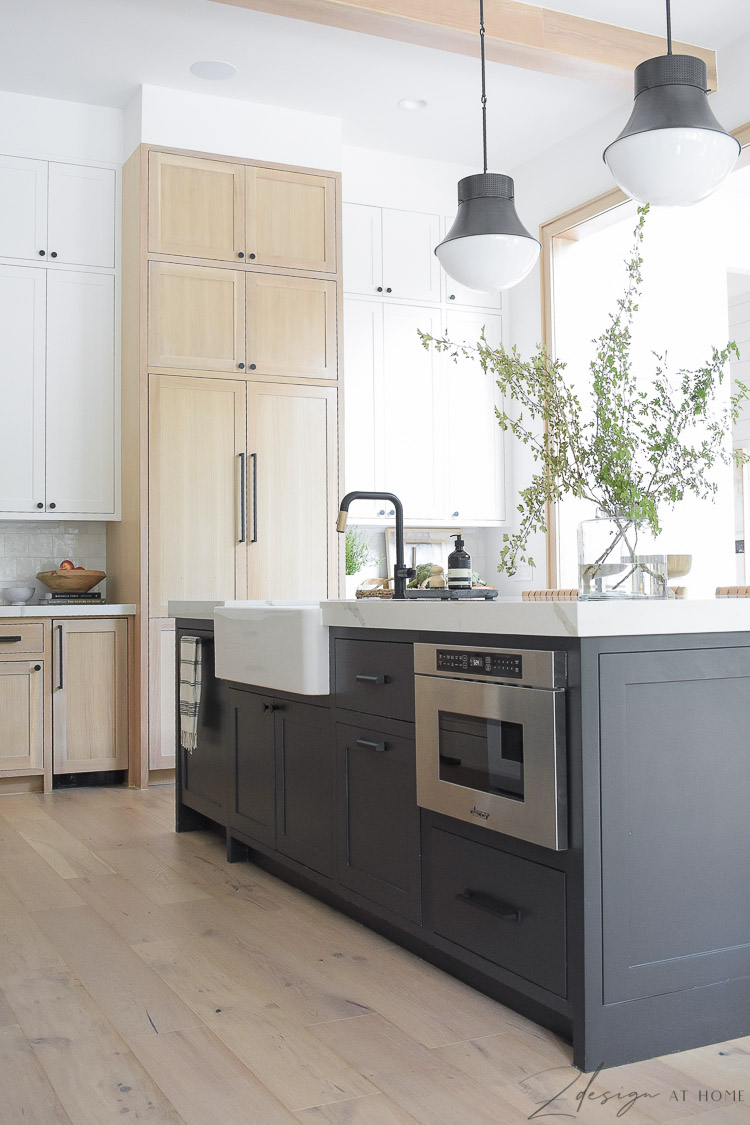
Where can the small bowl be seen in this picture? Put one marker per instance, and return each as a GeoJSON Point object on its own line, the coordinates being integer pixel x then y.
{"type": "Point", "coordinates": [18, 595]}
{"type": "Point", "coordinates": [71, 581]}
{"type": "Point", "coordinates": [678, 566]}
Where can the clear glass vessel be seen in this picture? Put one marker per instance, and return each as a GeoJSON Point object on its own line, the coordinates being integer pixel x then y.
{"type": "Point", "coordinates": [618, 558]}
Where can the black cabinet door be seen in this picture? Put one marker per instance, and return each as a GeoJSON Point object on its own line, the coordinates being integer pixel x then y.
{"type": "Point", "coordinates": [251, 744]}
{"type": "Point", "coordinates": [203, 773]}
{"type": "Point", "coordinates": [378, 818]}
{"type": "Point", "coordinates": [304, 767]}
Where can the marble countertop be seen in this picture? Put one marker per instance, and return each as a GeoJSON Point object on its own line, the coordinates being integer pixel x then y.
{"type": "Point", "coordinates": [49, 610]}
{"type": "Point", "coordinates": [194, 611]}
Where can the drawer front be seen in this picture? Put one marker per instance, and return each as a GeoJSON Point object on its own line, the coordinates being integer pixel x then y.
{"type": "Point", "coordinates": [376, 678]}
{"type": "Point", "coordinates": [509, 910]}
{"type": "Point", "coordinates": [15, 637]}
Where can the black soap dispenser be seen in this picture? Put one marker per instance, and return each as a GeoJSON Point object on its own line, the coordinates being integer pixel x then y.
{"type": "Point", "coordinates": [459, 567]}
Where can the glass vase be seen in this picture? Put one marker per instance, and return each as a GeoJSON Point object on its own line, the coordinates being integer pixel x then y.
{"type": "Point", "coordinates": [618, 558]}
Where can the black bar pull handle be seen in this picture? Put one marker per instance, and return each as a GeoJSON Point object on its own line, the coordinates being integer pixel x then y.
{"type": "Point", "coordinates": [254, 459]}
{"type": "Point", "coordinates": [60, 655]}
{"type": "Point", "coordinates": [243, 497]}
{"type": "Point", "coordinates": [492, 905]}
{"type": "Point", "coordinates": [10, 640]}
{"type": "Point", "coordinates": [368, 745]}
{"type": "Point", "coordinates": [371, 679]}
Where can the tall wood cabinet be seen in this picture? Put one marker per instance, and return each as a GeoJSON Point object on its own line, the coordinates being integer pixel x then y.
{"type": "Point", "coordinates": [231, 365]}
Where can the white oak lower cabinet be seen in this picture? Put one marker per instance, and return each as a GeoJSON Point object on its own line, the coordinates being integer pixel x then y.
{"type": "Point", "coordinates": [90, 696]}
{"type": "Point", "coordinates": [22, 711]}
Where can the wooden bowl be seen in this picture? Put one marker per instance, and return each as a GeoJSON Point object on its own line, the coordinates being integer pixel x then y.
{"type": "Point", "coordinates": [71, 581]}
{"type": "Point", "coordinates": [678, 566]}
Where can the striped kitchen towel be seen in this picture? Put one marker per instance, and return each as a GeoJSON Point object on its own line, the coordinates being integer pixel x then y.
{"type": "Point", "coordinates": [190, 691]}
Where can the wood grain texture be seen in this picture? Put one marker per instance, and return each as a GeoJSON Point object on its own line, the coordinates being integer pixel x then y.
{"type": "Point", "coordinates": [518, 34]}
{"type": "Point", "coordinates": [182, 991]}
{"type": "Point", "coordinates": [196, 207]}
{"type": "Point", "coordinates": [291, 219]}
{"type": "Point", "coordinates": [291, 326]}
{"type": "Point", "coordinates": [196, 317]}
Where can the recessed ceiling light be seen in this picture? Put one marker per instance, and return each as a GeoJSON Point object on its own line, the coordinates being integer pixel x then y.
{"type": "Point", "coordinates": [213, 70]}
{"type": "Point", "coordinates": [412, 103]}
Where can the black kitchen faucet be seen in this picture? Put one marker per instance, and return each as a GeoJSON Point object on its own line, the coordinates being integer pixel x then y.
{"type": "Point", "coordinates": [401, 572]}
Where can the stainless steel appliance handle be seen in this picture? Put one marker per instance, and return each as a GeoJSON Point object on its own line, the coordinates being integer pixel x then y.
{"type": "Point", "coordinates": [254, 459]}
{"type": "Point", "coordinates": [492, 905]}
{"type": "Point", "coordinates": [243, 497]}
{"type": "Point", "coordinates": [368, 745]}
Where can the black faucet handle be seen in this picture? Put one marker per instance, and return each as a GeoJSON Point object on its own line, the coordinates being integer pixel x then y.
{"type": "Point", "coordinates": [404, 572]}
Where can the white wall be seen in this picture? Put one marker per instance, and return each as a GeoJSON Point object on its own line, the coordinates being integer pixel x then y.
{"type": "Point", "coordinates": [45, 128]}
{"type": "Point", "coordinates": [178, 119]}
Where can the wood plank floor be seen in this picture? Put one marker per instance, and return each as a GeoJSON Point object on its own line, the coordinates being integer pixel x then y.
{"type": "Point", "coordinates": [143, 978]}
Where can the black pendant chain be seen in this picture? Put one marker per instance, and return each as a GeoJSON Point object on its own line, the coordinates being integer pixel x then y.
{"type": "Point", "coordinates": [484, 86]}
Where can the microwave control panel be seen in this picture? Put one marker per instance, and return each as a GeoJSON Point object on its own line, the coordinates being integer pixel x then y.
{"type": "Point", "coordinates": [505, 665]}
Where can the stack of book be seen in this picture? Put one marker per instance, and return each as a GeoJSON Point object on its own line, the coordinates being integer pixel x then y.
{"type": "Point", "coordinates": [91, 598]}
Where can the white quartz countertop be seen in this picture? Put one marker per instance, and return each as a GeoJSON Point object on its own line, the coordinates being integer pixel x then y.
{"type": "Point", "coordinates": [49, 610]}
{"type": "Point", "coordinates": [195, 611]}
{"type": "Point", "coordinates": [545, 619]}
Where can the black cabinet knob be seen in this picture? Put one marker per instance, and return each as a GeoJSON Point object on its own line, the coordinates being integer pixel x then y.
{"type": "Point", "coordinates": [53, 254]}
{"type": "Point", "coordinates": [392, 512]}
{"type": "Point", "coordinates": [241, 254]}
{"type": "Point", "coordinates": [252, 367]}
{"type": "Point", "coordinates": [389, 290]}
{"type": "Point", "coordinates": [37, 667]}
{"type": "Point", "coordinates": [455, 514]}
{"type": "Point", "coordinates": [42, 253]}
{"type": "Point", "coordinates": [381, 512]}
{"type": "Point", "coordinates": [380, 289]}
{"type": "Point", "coordinates": [40, 504]}
{"type": "Point", "coordinates": [53, 505]}
{"type": "Point", "coordinates": [241, 366]}
{"type": "Point", "coordinates": [251, 255]}
{"type": "Point", "coordinates": [453, 296]}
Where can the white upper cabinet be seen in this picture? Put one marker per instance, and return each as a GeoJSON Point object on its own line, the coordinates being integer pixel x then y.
{"type": "Point", "coordinates": [456, 294]}
{"type": "Point", "coordinates": [473, 483]}
{"type": "Point", "coordinates": [57, 213]}
{"type": "Point", "coordinates": [23, 208]}
{"type": "Point", "coordinates": [80, 393]}
{"type": "Point", "coordinates": [390, 253]}
{"type": "Point", "coordinates": [363, 365]}
{"type": "Point", "coordinates": [22, 342]}
{"type": "Point", "coordinates": [81, 215]}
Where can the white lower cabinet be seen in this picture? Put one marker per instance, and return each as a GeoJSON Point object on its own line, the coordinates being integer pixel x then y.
{"type": "Point", "coordinates": [417, 424]}
{"type": "Point", "coordinates": [90, 695]}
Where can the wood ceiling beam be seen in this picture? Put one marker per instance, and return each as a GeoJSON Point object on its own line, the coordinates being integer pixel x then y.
{"type": "Point", "coordinates": [517, 34]}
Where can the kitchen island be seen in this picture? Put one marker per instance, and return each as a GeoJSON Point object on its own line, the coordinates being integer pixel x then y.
{"type": "Point", "coordinates": [632, 937]}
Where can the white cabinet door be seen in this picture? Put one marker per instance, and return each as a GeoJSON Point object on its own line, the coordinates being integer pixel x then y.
{"type": "Point", "coordinates": [409, 403]}
{"type": "Point", "coordinates": [460, 295]}
{"type": "Point", "coordinates": [474, 479]}
{"type": "Point", "coordinates": [80, 393]}
{"type": "Point", "coordinates": [410, 269]}
{"type": "Point", "coordinates": [363, 367]}
{"type": "Point", "coordinates": [23, 208]}
{"type": "Point", "coordinates": [363, 249]}
{"type": "Point", "coordinates": [81, 220]}
{"type": "Point", "coordinates": [22, 315]}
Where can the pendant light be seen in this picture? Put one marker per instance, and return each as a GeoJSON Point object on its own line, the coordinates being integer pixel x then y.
{"type": "Point", "coordinates": [672, 151]}
{"type": "Point", "coordinates": [487, 248]}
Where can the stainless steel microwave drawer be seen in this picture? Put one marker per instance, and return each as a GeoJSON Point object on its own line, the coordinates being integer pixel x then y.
{"type": "Point", "coordinates": [375, 677]}
{"type": "Point", "coordinates": [508, 910]}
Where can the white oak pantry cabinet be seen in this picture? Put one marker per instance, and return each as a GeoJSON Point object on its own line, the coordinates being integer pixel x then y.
{"type": "Point", "coordinates": [59, 429]}
{"type": "Point", "coordinates": [230, 402]}
{"type": "Point", "coordinates": [417, 423]}
{"type": "Point", "coordinates": [63, 698]}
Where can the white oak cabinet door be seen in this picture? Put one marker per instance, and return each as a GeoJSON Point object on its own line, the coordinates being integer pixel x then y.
{"type": "Point", "coordinates": [410, 458]}
{"type": "Point", "coordinates": [363, 372]}
{"type": "Point", "coordinates": [198, 525]}
{"type": "Point", "coordinates": [410, 269]}
{"type": "Point", "coordinates": [23, 208]}
{"type": "Point", "coordinates": [291, 219]}
{"type": "Point", "coordinates": [473, 482]}
{"type": "Point", "coordinates": [196, 207]}
{"type": "Point", "coordinates": [81, 438]}
{"type": "Point", "coordinates": [22, 710]}
{"type": "Point", "coordinates": [196, 317]}
{"type": "Point", "coordinates": [291, 326]}
{"type": "Point", "coordinates": [294, 491]}
{"type": "Point", "coordinates": [460, 295]}
{"type": "Point", "coordinates": [363, 249]}
{"type": "Point", "coordinates": [81, 215]}
{"type": "Point", "coordinates": [22, 345]}
{"type": "Point", "coordinates": [90, 695]}
{"type": "Point", "coordinates": [161, 695]}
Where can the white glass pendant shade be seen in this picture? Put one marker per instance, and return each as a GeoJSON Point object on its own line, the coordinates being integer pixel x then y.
{"type": "Point", "coordinates": [487, 248]}
{"type": "Point", "coordinates": [673, 151]}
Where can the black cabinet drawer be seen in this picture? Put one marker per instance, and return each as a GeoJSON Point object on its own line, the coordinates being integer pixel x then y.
{"type": "Point", "coordinates": [509, 910]}
{"type": "Point", "coordinates": [378, 818]}
{"type": "Point", "coordinates": [375, 677]}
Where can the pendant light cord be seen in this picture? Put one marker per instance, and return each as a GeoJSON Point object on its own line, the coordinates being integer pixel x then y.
{"type": "Point", "coordinates": [669, 28]}
{"type": "Point", "coordinates": [484, 85]}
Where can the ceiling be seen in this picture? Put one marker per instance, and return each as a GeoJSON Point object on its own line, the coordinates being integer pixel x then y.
{"type": "Point", "coordinates": [100, 51]}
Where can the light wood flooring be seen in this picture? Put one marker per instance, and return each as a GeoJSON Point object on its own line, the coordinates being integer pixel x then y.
{"type": "Point", "coordinates": [142, 978]}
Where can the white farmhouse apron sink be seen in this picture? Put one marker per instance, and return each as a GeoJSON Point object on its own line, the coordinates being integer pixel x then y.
{"type": "Point", "coordinates": [279, 645]}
